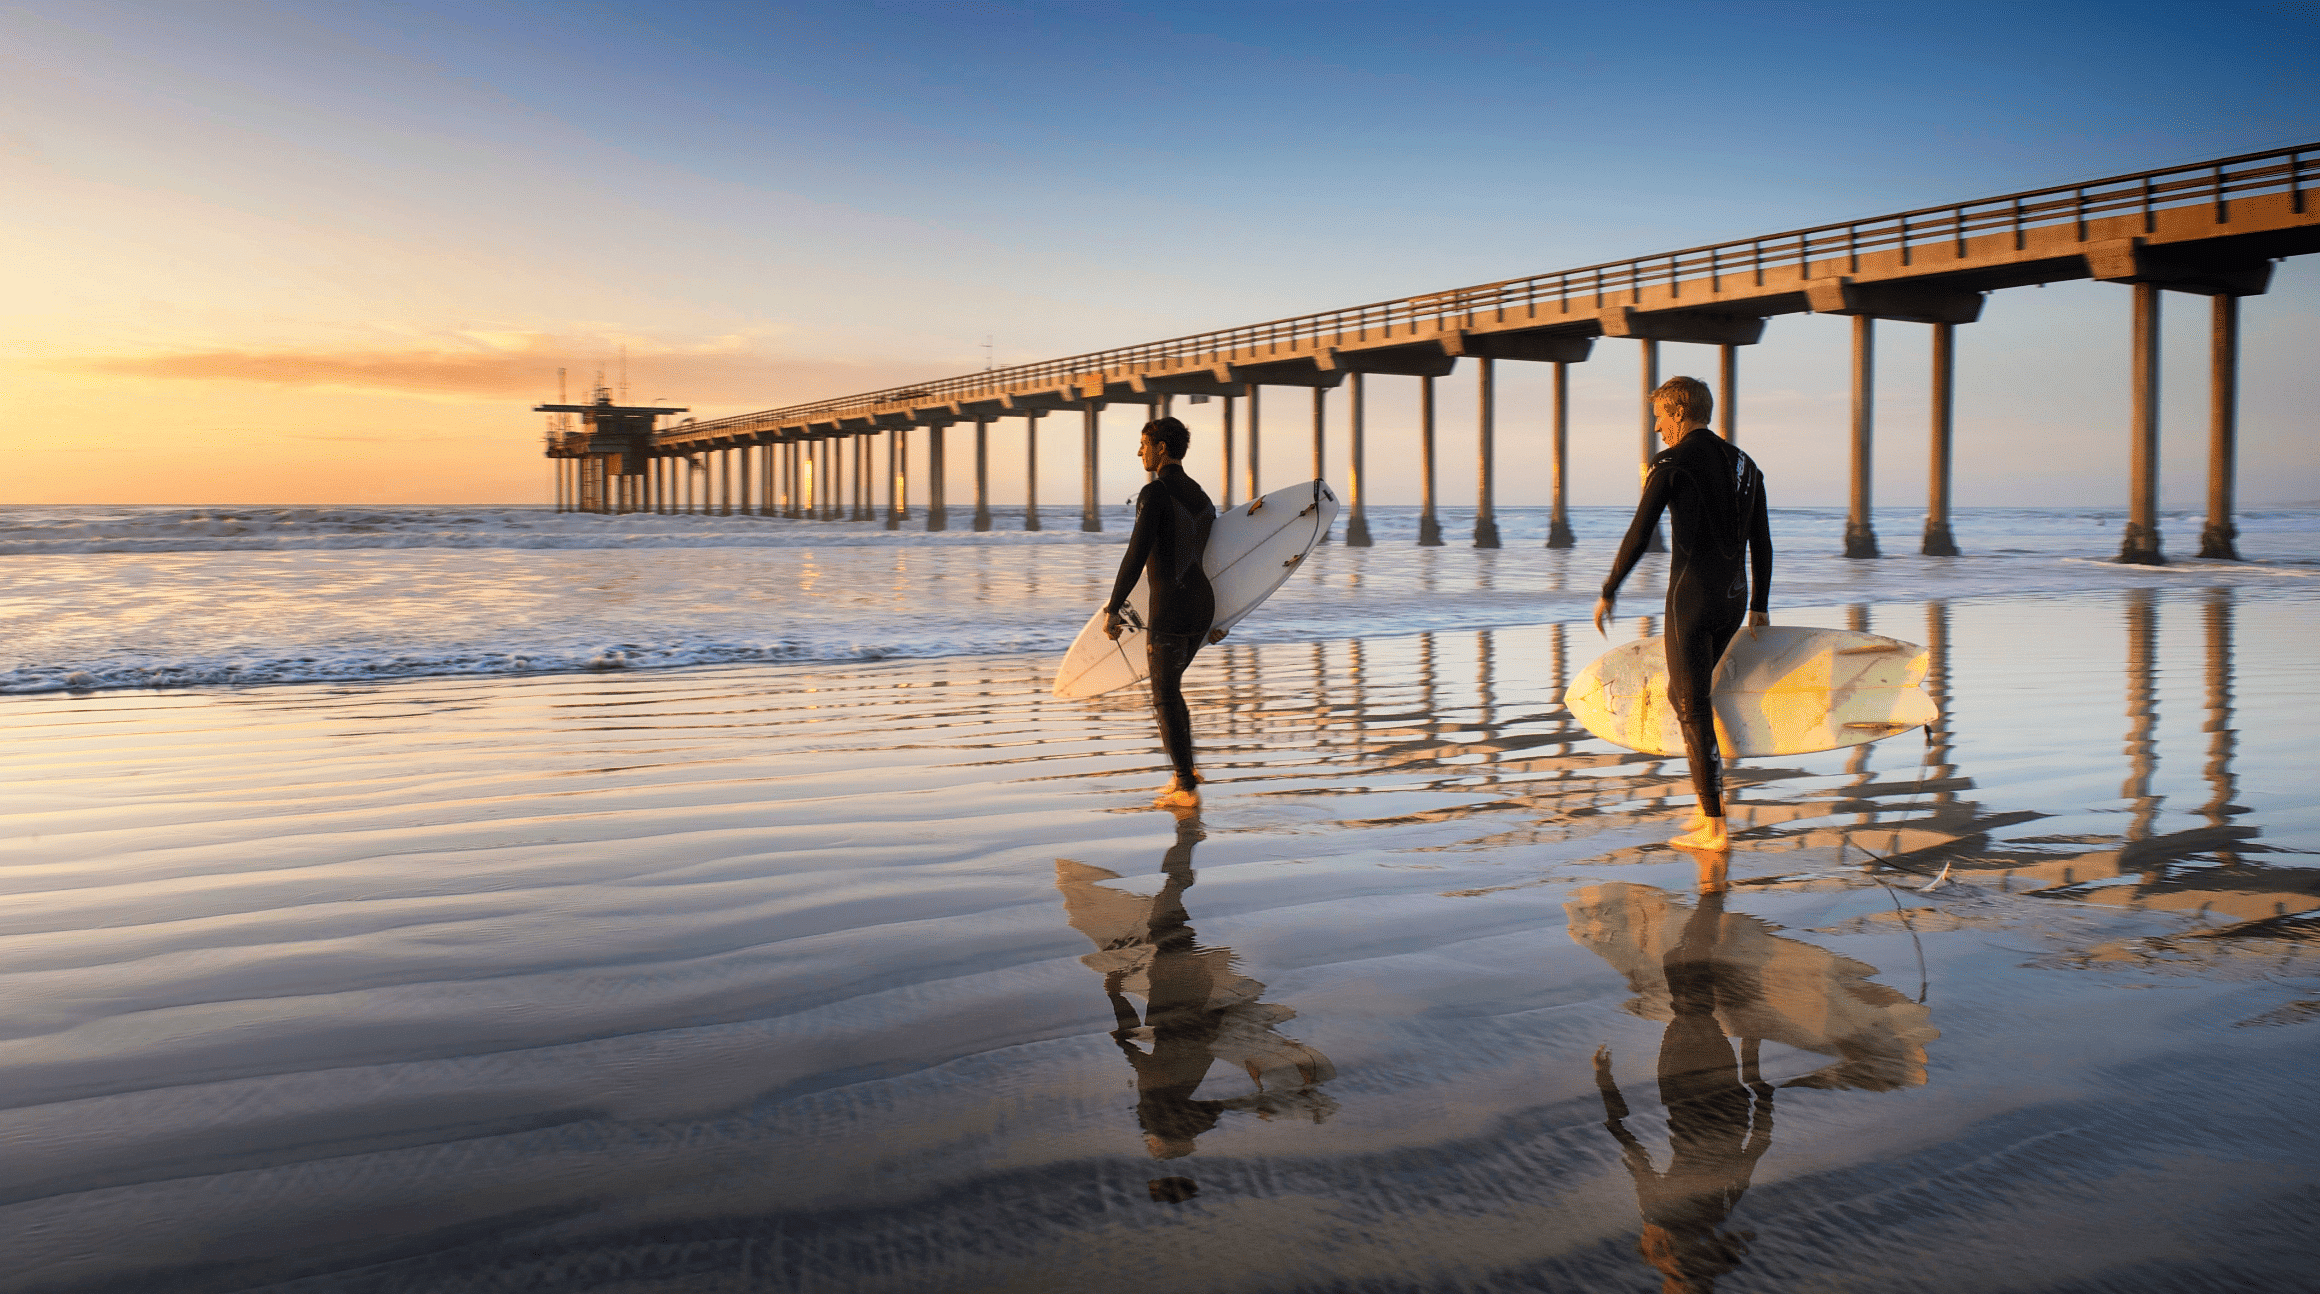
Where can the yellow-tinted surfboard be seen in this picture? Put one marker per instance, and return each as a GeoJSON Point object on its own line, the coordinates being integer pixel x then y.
{"type": "Point", "coordinates": [1780, 690]}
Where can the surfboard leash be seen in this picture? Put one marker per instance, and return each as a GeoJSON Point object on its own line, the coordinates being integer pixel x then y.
{"type": "Point", "coordinates": [1845, 837]}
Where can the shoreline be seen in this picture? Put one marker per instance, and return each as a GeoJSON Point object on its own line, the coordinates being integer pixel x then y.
{"type": "Point", "coordinates": [1344, 608]}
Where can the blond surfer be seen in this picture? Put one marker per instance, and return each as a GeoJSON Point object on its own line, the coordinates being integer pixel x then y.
{"type": "Point", "coordinates": [1719, 575]}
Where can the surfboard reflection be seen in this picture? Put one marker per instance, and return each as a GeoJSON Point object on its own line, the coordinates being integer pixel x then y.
{"type": "Point", "coordinates": [1715, 976]}
{"type": "Point", "coordinates": [1197, 1010]}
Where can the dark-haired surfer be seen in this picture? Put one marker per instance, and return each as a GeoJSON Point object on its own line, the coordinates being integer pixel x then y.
{"type": "Point", "coordinates": [1173, 518]}
{"type": "Point", "coordinates": [1715, 500]}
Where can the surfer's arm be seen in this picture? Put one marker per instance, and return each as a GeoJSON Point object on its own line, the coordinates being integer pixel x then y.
{"type": "Point", "coordinates": [1760, 561]}
{"type": "Point", "coordinates": [1656, 487]}
{"type": "Point", "coordinates": [1140, 541]}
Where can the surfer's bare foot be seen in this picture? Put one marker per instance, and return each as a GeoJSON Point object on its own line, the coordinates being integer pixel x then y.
{"type": "Point", "coordinates": [1179, 794]}
{"type": "Point", "coordinates": [1706, 833]}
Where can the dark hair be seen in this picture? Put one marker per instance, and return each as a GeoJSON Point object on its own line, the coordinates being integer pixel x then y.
{"type": "Point", "coordinates": [1171, 434]}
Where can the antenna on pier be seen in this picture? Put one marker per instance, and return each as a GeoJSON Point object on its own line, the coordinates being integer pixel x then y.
{"type": "Point", "coordinates": [986, 352]}
{"type": "Point", "coordinates": [624, 373]}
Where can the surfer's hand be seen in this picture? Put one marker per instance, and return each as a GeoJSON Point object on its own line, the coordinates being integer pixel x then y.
{"type": "Point", "coordinates": [1602, 613]}
{"type": "Point", "coordinates": [1217, 635]}
{"type": "Point", "coordinates": [1113, 625]}
{"type": "Point", "coordinates": [1758, 620]}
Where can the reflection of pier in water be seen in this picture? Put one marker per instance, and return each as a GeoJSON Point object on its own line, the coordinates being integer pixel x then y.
{"type": "Point", "coordinates": [1424, 727]}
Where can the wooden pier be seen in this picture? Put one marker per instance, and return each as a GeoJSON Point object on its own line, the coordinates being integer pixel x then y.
{"type": "Point", "coordinates": [2211, 229]}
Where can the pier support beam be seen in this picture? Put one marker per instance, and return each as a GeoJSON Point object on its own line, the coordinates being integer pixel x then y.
{"type": "Point", "coordinates": [1356, 529]}
{"type": "Point", "coordinates": [1255, 415]}
{"type": "Point", "coordinates": [1226, 444]}
{"type": "Point", "coordinates": [1650, 365]}
{"type": "Point", "coordinates": [1320, 433]}
{"type": "Point", "coordinates": [1860, 534]}
{"type": "Point", "coordinates": [938, 512]}
{"type": "Point", "coordinates": [2220, 538]}
{"type": "Point", "coordinates": [1938, 540]}
{"type": "Point", "coordinates": [897, 477]}
{"type": "Point", "coordinates": [1486, 455]}
{"type": "Point", "coordinates": [1090, 517]}
{"type": "Point", "coordinates": [741, 484]}
{"type": "Point", "coordinates": [982, 475]}
{"type": "Point", "coordinates": [789, 467]}
{"type": "Point", "coordinates": [829, 477]}
{"type": "Point", "coordinates": [1321, 439]}
{"type": "Point", "coordinates": [725, 482]}
{"type": "Point", "coordinates": [1728, 392]}
{"type": "Point", "coordinates": [2140, 545]}
{"type": "Point", "coordinates": [1031, 472]}
{"type": "Point", "coordinates": [1429, 526]}
{"type": "Point", "coordinates": [1559, 466]}
{"type": "Point", "coordinates": [1228, 450]}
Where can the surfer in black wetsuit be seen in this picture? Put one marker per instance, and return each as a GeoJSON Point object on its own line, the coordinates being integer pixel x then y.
{"type": "Point", "coordinates": [1173, 518]}
{"type": "Point", "coordinates": [1714, 496]}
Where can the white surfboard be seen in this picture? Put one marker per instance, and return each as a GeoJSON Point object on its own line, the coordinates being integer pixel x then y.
{"type": "Point", "coordinates": [1780, 690]}
{"type": "Point", "coordinates": [1252, 550]}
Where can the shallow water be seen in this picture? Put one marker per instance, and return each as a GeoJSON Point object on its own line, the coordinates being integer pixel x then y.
{"type": "Point", "coordinates": [875, 976]}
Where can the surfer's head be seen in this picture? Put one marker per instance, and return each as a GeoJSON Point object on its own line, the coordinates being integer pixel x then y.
{"type": "Point", "coordinates": [1680, 404]}
{"type": "Point", "coordinates": [1165, 440]}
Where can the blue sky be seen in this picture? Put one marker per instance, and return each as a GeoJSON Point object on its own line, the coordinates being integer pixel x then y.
{"type": "Point", "coordinates": [282, 210]}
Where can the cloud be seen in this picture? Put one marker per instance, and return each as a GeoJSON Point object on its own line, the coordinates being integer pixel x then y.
{"type": "Point", "coordinates": [489, 367]}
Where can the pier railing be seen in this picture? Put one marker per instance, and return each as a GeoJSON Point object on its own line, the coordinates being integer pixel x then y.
{"type": "Point", "coordinates": [1929, 232]}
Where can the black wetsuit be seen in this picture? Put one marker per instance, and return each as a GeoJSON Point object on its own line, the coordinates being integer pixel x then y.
{"type": "Point", "coordinates": [1715, 500]}
{"type": "Point", "coordinates": [1173, 518]}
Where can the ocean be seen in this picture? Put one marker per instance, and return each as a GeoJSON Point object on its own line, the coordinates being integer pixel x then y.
{"type": "Point", "coordinates": [131, 597]}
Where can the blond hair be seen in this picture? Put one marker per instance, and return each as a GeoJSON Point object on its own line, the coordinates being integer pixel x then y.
{"type": "Point", "coordinates": [1689, 395]}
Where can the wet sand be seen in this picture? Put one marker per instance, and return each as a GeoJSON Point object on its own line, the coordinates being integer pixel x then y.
{"type": "Point", "coordinates": [881, 978]}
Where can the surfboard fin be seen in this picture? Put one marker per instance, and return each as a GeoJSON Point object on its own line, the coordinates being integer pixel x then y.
{"type": "Point", "coordinates": [1254, 504]}
{"type": "Point", "coordinates": [1879, 726]}
{"type": "Point", "coordinates": [1874, 649]}
{"type": "Point", "coordinates": [1294, 560]}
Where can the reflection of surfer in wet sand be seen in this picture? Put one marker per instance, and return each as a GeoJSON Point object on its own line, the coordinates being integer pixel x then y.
{"type": "Point", "coordinates": [1715, 500]}
{"type": "Point", "coordinates": [1173, 518]}
{"type": "Point", "coordinates": [1716, 976]}
{"type": "Point", "coordinates": [1197, 1011]}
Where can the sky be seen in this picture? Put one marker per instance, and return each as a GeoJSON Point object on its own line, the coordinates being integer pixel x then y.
{"type": "Point", "coordinates": [327, 253]}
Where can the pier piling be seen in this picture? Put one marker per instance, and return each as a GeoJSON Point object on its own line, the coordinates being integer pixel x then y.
{"type": "Point", "coordinates": [1356, 528]}
{"type": "Point", "coordinates": [2220, 538]}
{"type": "Point", "coordinates": [1429, 526]}
{"type": "Point", "coordinates": [1485, 454]}
{"type": "Point", "coordinates": [2139, 546]}
{"type": "Point", "coordinates": [1559, 462]}
{"type": "Point", "coordinates": [1938, 540]}
{"type": "Point", "coordinates": [1860, 534]}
